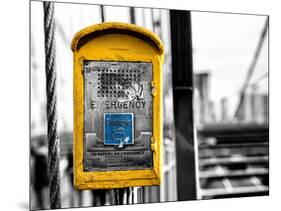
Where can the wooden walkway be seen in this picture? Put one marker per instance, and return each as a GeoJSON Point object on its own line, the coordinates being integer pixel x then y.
{"type": "Point", "coordinates": [233, 160]}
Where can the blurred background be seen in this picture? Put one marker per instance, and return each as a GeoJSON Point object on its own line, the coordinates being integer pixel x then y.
{"type": "Point", "coordinates": [226, 152]}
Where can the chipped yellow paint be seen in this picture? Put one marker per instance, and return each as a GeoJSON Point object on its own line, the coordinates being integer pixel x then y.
{"type": "Point", "coordinates": [117, 42]}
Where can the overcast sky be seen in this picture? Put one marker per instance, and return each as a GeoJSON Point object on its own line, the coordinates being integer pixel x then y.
{"type": "Point", "coordinates": [224, 46]}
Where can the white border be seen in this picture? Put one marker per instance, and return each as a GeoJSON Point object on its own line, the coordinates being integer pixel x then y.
{"type": "Point", "coordinates": [14, 86]}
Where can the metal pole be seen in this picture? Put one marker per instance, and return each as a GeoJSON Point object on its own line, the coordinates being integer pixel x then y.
{"type": "Point", "coordinates": [102, 13]}
{"type": "Point", "coordinates": [183, 98]}
{"type": "Point", "coordinates": [132, 15]}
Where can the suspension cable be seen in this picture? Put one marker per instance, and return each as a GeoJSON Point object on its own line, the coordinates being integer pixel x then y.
{"type": "Point", "coordinates": [53, 138]}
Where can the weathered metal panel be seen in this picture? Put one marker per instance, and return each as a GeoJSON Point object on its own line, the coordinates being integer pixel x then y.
{"type": "Point", "coordinates": [123, 89]}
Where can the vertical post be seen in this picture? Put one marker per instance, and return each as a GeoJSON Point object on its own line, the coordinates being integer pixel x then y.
{"type": "Point", "coordinates": [132, 15]}
{"type": "Point", "coordinates": [53, 138]}
{"type": "Point", "coordinates": [183, 110]}
{"type": "Point", "coordinates": [102, 13]}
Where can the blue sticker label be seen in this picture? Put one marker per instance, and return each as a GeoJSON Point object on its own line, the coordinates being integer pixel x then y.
{"type": "Point", "coordinates": [118, 129]}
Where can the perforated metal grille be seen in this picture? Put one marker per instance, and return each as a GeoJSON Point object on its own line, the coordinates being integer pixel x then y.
{"type": "Point", "coordinates": [113, 83]}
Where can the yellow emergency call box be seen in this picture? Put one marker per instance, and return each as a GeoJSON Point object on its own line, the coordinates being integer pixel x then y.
{"type": "Point", "coordinates": [117, 106]}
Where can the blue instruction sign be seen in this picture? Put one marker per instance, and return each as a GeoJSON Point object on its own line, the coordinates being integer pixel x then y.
{"type": "Point", "coordinates": [118, 129]}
